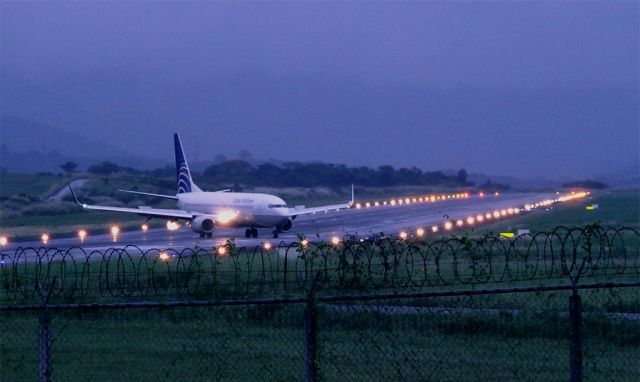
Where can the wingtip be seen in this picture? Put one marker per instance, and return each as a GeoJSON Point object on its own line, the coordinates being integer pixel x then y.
{"type": "Point", "coordinates": [73, 194]}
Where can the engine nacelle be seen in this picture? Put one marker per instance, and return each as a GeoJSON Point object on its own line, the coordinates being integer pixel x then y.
{"type": "Point", "coordinates": [286, 226]}
{"type": "Point", "coordinates": [203, 224]}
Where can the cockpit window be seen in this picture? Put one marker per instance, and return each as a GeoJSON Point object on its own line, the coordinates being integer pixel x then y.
{"type": "Point", "coordinates": [277, 206]}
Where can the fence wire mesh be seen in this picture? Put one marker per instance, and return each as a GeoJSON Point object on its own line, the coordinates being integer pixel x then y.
{"type": "Point", "coordinates": [449, 310]}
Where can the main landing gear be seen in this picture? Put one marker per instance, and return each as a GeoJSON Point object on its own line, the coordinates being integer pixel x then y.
{"type": "Point", "coordinates": [275, 234]}
{"type": "Point", "coordinates": [251, 232]}
{"type": "Point", "coordinates": [206, 234]}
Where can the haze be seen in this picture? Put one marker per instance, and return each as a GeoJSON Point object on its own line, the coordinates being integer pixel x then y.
{"type": "Point", "coordinates": [546, 89]}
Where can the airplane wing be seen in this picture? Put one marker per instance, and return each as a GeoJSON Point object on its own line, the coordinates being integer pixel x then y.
{"type": "Point", "coordinates": [293, 212]}
{"type": "Point", "coordinates": [143, 211]}
{"type": "Point", "coordinates": [305, 211]}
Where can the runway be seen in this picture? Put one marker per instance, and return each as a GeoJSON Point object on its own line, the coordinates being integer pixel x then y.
{"type": "Point", "coordinates": [321, 226]}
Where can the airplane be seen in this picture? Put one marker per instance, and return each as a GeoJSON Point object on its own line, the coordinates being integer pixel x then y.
{"type": "Point", "coordinates": [205, 211]}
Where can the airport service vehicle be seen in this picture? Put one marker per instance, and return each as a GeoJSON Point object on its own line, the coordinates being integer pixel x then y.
{"type": "Point", "coordinates": [206, 211]}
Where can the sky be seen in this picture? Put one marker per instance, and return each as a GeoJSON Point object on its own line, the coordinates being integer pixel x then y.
{"type": "Point", "coordinates": [534, 89]}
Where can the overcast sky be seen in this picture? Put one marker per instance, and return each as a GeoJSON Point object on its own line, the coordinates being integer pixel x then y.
{"type": "Point", "coordinates": [512, 88]}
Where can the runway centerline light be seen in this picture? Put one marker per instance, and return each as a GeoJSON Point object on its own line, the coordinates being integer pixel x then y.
{"type": "Point", "coordinates": [4, 241]}
{"type": "Point", "coordinates": [304, 243]}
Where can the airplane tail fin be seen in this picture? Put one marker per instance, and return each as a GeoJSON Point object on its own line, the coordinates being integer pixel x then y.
{"type": "Point", "coordinates": [183, 175]}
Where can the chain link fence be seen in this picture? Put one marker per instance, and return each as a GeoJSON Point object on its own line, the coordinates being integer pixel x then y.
{"type": "Point", "coordinates": [113, 323]}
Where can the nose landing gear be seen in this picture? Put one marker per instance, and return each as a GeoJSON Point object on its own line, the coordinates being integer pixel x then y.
{"type": "Point", "coordinates": [251, 232]}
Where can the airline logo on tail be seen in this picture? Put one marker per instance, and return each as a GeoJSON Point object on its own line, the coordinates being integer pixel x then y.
{"type": "Point", "coordinates": [183, 176]}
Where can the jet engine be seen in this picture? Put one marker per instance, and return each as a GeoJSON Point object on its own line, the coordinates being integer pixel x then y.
{"type": "Point", "coordinates": [286, 226]}
{"type": "Point", "coordinates": [202, 224]}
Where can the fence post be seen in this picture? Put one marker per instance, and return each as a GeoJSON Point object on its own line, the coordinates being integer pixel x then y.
{"type": "Point", "coordinates": [575, 318]}
{"type": "Point", "coordinates": [45, 335]}
{"type": "Point", "coordinates": [310, 337]}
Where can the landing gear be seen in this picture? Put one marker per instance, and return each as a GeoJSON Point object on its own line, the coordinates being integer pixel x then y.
{"type": "Point", "coordinates": [209, 235]}
{"type": "Point", "coordinates": [275, 234]}
{"type": "Point", "coordinates": [251, 232]}
{"type": "Point", "coordinates": [247, 233]}
{"type": "Point", "coordinates": [202, 235]}
{"type": "Point", "coordinates": [206, 234]}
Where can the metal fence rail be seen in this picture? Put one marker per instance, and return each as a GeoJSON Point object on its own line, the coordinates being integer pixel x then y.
{"type": "Point", "coordinates": [131, 272]}
{"type": "Point", "coordinates": [537, 333]}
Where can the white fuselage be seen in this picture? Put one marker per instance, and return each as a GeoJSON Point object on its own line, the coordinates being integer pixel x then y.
{"type": "Point", "coordinates": [246, 209]}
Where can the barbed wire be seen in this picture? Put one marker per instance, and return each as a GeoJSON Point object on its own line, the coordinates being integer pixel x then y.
{"type": "Point", "coordinates": [131, 272]}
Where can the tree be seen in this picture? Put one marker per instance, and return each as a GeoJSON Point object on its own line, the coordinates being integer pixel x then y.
{"type": "Point", "coordinates": [104, 168]}
{"type": "Point", "coordinates": [462, 176]}
{"type": "Point", "coordinates": [69, 167]}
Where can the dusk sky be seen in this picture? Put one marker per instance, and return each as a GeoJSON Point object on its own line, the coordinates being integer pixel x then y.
{"type": "Point", "coordinates": [511, 88]}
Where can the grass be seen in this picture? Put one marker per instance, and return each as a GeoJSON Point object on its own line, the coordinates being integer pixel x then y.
{"type": "Point", "coordinates": [249, 343]}
{"type": "Point", "coordinates": [619, 208]}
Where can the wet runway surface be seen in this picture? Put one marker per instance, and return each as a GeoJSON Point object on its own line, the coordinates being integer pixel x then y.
{"type": "Point", "coordinates": [388, 219]}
